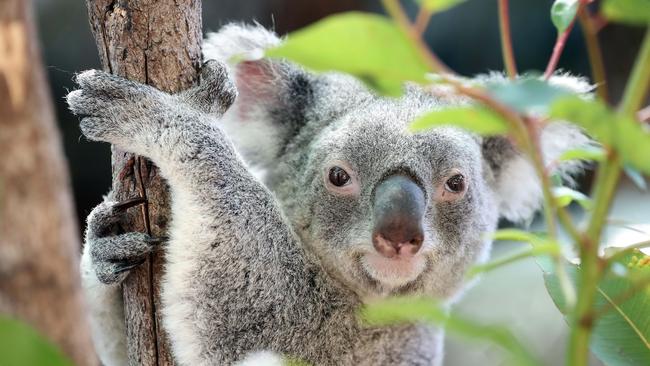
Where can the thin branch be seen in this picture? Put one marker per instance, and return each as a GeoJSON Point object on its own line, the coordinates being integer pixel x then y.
{"type": "Point", "coordinates": [394, 9]}
{"type": "Point", "coordinates": [639, 81]}
{"type": "Point", "coordinates": [506, 39]}
{"type": "Point", "coordinates": [557, 51]}
{"type": "Point", "coordinates": [422, 20]}
{"type": "Point", "coordinates": [594, 52]}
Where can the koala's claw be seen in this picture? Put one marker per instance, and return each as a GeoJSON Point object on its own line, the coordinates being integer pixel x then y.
{"type": "Point", "coordinates": [114, 253]}
{"type": "Point", "coordinates": [216, 91]}
{"type": "Point", "coordinates": [128, 203]}
{"type": "Point", "coordinates": [127, 266]}
{"type": "Point", "coordinates": [113, 109]}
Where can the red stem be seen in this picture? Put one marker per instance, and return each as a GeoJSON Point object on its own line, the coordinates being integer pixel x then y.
{"type": "Point", "coordinates": [506, 39]}
{"type": "Point", "coordinates": [557, 51]}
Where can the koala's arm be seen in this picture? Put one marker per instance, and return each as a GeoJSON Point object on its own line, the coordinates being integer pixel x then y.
{"type": "Point", "coordinates": [236, 277]}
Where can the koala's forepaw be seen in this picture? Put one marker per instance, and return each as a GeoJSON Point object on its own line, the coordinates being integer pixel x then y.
{"type": "Point", "coordinates": [216, 91]}
{"type": "Point", "coordinates": [112, 109]}
{"type": "Point", "coordinates": [113, 254]}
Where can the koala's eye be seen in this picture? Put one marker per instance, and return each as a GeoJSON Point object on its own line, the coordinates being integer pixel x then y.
{"type": "Point", "coordinates": [455, 184]}
{"type": "Point", "coordinates": [338, 176]}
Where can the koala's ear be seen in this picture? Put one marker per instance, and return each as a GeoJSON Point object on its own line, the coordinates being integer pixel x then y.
{"type": "Point", "coordinates": [274, 95]}
{"type": "Point", "coordinates": [514, 180]}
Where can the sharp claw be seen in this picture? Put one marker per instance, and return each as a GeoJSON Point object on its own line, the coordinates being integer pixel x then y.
{"type": "Point", "coordinates": [157, 240]}
{"type": "Point", "coordinates": [131, 202]}
{"type": "Point", "coordinates": [128, 266]}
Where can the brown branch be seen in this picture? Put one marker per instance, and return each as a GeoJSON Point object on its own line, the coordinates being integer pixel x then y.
{"type": "Point", "coordinates": [158, 43]}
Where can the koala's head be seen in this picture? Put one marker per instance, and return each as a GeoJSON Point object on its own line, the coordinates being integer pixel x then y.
{"type": "Point", "coordinates": [384, 210]}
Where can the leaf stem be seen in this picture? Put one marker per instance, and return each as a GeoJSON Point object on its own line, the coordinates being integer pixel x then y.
{"type": "Point", "coordinates": [557, 51]}
{"type": "Point", "coordinates": [506, 39]}
{"type": "Point", "coordinates": [594, 52]}
{"type": "Point", "coordinates": [637, 85]}
{"type": "Point", "coordinates": [396, 12]}
{"type": "Point", "coordinates": [606, 180]}
{"type": "Point", "coordinates": [422, 20]}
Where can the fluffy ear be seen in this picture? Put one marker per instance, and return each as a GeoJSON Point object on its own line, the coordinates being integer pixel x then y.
{"type": "Point", "coordinates": [274, 95]}
{"type": "Point", "coordinates": [515, 182]}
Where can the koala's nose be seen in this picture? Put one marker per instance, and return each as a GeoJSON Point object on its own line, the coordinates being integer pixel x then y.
{"type": "Point", "coordinates": [398, 210]}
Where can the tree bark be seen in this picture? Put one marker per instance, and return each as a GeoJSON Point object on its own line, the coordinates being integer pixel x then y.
{"type": "Point", "coordinates": [39, 244]}
{"type": "Point", "coordinates": [157, 42]}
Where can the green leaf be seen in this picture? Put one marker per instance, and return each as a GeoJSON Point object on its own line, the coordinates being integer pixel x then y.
{"type": "Point", "coordinates": [473, 118]}
{"type": "Point", "coordinates": [621, 335]}
{"type": "Point", "coordinates": [627, 11]}
{"type": "Point", "coordinates": [436, 6]}
{"type": "Point", "coordinates": [409, 310]}
{"type": "Point", "coordinates": [563, 12]}
{"type": "Point", "coordinates": [590, 153]}
{"type": "Point", "coordinates": [526, 95]}
{"type": "Point", "coordinates": [565, 195]}
{"type": "Point", "coordinates": [22, 345]}
{"type": "Point", "coordinates": [522, 236]}
{"type": "Point", "coordinates": [367, 46]}
{"type": "Point", "coordinates": [628, 137]}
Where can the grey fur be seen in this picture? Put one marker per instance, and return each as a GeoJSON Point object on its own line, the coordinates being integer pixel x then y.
{"type": "Point", "coordinates": [251, 268]}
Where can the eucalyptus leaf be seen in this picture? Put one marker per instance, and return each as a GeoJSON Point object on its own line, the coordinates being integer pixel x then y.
{"type": "Point", "coordinates": [408, 310]}
{"type": "Point", "coordinates": [22, 345]}
{"type": "Point", "coordinates": [563, 13]}
{"type": "Point", "coordinates": [520, 236]}
{"type": "Point", "coordinates": [565, 195]}
{"type": "Point", "coordinates": [635, 12]}
{"type": "Point", "coordinates": [436, 6]}
{"type": "Point", "coordinates": [478, 119]}
{"type": "Point", "coordinates": [368, 46]}
{"type": "Point", "coordinates": [621, 335]}
{"type": "Point", "coordinates": [590, 153]}
{"type": "Point", "coordinates": [628, 137]}
{"type": "Point", "coordinates": [527, 95]}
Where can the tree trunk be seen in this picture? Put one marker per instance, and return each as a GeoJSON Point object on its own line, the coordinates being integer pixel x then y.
{"type": "Point", "coordinates": [39, 244]}
{"type": "Point", "coordinates": [157, 42]}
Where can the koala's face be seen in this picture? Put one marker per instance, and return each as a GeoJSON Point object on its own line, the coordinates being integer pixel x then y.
{"type": "Point", "coordinates": [389, 211]}
{"type": "Point", "coordinates": [384, 210]}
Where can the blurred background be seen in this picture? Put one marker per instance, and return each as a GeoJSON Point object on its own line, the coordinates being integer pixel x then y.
{"type": "Point", "coordinates": [466, 38]}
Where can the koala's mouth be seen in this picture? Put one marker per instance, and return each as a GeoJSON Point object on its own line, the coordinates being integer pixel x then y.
{"type": "Point", "coordinates": [392, 272]}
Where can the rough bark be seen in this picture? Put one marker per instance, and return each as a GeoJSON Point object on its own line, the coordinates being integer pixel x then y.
{"type": "Point", "coordinates": [157, 43]}
{"type": "Point", "coordinates": [39, 244]}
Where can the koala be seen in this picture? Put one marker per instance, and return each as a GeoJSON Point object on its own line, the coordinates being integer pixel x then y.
{"type": "Point", "coordinates": [296, 199]}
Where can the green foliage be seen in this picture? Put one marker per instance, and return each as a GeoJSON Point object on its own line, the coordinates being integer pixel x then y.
{"type": "Point", "coordinates": [621, 335]}
{"type": "Point", "coordinates": [627, 136]}
{"type": "Point", "coordinates": [588, 153]}
{"type": "Point", "coordinates": [563, 13]}
{"type": "Point", "coordinates": [412, 310]}
{"type": "Point", "coordinates": [367, 46]}
{"type": "Point", "coordinates": [436, 6]}
{"type": "Point", "coordinates": [22, 345]}
{"type": "Point", "coordinates": [565, 195]}
{"type": "Point", "coordinates": [526, 95]}
{"type": "Point", "coordinates": [628, 11]}
{"type": "Point", "coordinates": [478, 119]}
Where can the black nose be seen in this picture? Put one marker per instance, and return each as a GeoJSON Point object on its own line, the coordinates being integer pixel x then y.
{"type": "Point", "coordinates": [398, 210]}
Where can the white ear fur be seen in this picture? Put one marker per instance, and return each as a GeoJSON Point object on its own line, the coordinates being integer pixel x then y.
{"type": "Point", "coordinates": [247, 122]}
{"type": "Point", "coordinates": [237, 40]}
{"type": "Point", "coordinates": [516, 184]}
